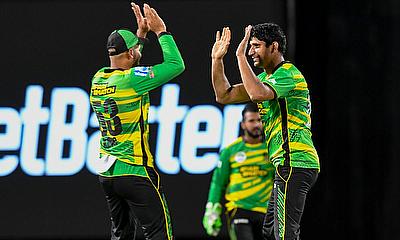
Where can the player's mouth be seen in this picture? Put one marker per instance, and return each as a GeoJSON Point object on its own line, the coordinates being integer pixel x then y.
{"type": "Point", "coordinates": [255, 59]}
{"type": "Point", "coordinates": [257, 131]}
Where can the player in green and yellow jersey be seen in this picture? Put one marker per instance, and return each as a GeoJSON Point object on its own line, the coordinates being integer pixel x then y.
{"type": "Point", "coordinates": [284, 104]}
{"type": "Point", "coordinates": [120, 98]}
{"type": "Point", "coordinates": [245, 176]}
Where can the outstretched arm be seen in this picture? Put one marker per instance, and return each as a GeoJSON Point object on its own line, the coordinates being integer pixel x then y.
{"type": "Point", "coordinates": [149, 78]}
{"type": "Point", "coordinates": [224, 92]}
{"type": "Point", "coordinates": [256, 90]}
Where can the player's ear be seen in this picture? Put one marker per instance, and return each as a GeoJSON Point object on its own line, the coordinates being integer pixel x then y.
{"type": "Point", "coordinates": [130, 53]}
{"type": "Point", "coordinates": [242, 125]}
{"type": "Point", "coordinates": [275, 46]}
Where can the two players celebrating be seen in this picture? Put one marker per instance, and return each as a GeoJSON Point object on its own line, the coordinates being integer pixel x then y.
{"type": "Point", "coordinates": [130, 182]}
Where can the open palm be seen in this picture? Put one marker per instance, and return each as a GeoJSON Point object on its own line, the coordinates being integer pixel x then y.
{"type": "Point", "coordinates": [221, 44]}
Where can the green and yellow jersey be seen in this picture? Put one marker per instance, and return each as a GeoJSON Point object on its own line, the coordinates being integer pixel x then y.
{"type": "Point", "coordinates": [244, 175]}
{"type": "Point", "coordinates": [120, 99]}
{"type": "Point", "coordinates": [286, 119]}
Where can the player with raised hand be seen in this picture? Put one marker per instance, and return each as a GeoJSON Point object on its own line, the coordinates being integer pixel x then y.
{"type": "Point", "coordinates": [283, 99]}
{"type": "Point", "coordinates": [120, 99]}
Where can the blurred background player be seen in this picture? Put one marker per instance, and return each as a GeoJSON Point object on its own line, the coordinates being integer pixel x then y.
{"type": "Point", "coordinates": [120, 99]}
{"type": "Point", "coordinates": [245, 176]}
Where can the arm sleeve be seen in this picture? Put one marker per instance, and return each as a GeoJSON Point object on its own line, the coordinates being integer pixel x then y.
{"type": "Point", "coordinates": [145, 79]}
{"type": "Point", "coordinates": [220, 178]}
{"type": "Point", "coordinates": [281, 82]}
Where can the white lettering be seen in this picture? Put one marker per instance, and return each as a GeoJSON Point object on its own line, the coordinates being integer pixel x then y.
{"type": "Point", "coordinates": [10, 139]}
{"type": "Point", "coordinates": [193, 138]}
{"type": "Point", "coordinates": [33, 115]}
{"type": "Point", "coordinates": [61, 131]}
{"type": "Point", "coordinates": [169, 113]}
{"type": "Point", "coordinates": [204, 129]}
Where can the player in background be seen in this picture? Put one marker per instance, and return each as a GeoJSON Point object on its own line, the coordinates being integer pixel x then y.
{"type": "Point", "coordinates": [245, 176]}
{"type": "Point", "coordinates": [120, 98]}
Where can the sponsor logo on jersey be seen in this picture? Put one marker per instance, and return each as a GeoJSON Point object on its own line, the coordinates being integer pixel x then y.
{"type": "Point", "coordinates": [101, 90]}
{"type": "Point", "coordinates": [252, 171]}
{"type": "Point", "coordinates": [144, 71]}
{"type": "Point", "coordinates": [240, 157]}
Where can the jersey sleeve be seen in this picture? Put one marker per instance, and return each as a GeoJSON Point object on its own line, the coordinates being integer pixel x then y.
{"type": "Point", "coordinates": [220, 178]}
{"type": "Point", "coordinates": [145, 79]}
{"type": "Point", "coordinates": [281, 82]}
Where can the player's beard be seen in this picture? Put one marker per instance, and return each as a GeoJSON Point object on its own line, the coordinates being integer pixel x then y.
{"type": "Point", "coordinates": [256, 133]}
{"type": "Point", "coordinates": [136, 62]}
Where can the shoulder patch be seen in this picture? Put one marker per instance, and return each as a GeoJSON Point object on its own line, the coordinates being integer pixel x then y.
{"type": "Point", "coordinates": [143, 71]}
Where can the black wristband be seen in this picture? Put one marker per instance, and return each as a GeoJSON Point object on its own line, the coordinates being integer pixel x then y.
{"type": "Point", "coordinates": [163, 33]}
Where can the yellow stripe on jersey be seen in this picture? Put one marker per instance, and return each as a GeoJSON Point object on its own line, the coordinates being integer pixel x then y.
{"type": "Point", "coordinates": [287, 66]}
{"type": "Point", "coordinates": [259, 209]}
{"type": "Point", "coordinates": [266, 196]}
{"type": "Point", "coordinates": [116, 72]}
{"type": "Point", "coordinates": [250, 161]}
{"type": "Point", "coordinates": [252, 153]}
{"type": "Point", "coordinates": [301, 98]}
{"type": "Point", "coordinates": [274, 132]}
{"type": "Point", "coordinates": [294, 119]}
{"type": "Point", "coordinates": [145, 109]}
{"type": "Point", "coordinates": [301, 86]}
{"type": "Point", "coordinates": [248, 154]}
{"type": "Point", "coordinates": [245, 193]}
{"type": "Point", "coordinates": [126, 93]}
{"type": "Point", "coordinates": [137, 147]}
{"type": "Point", "coordinates": [121, 102]}
{"type": "Point", "coordinates": [237, 178]}
{"type": "Point", "coordinates": [304, 115]}
{"type": "Point", "coordinates": [130, 116]}
{"type": "Point", "coordinates": [302, 147]}
{"type": "Point", "coordinates": [251, 183]}
{"type": "Point", "coordinates": [298, 76]}
{"type": "Point", "coordinates": [276, 153]}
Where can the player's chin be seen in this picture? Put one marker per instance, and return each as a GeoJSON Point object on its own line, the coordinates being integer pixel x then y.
{"type": "Point", "coordinates": [257, 132]}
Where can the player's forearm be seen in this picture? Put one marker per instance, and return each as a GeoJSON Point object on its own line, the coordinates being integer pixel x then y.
{"type": "Point", "coordinates": [256, 90]}
{"type": "Point", "coordinates": [173, 60]}
{"type": "Point", "coordinates": [220, 83]}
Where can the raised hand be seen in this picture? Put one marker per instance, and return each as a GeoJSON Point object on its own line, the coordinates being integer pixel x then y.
{"type": "Point", "coordinates": [141, 21]}
{"type": "Point", "coordinates": [156, 24]}
{"type": "Point", "coordinates": [241, 50]}
{"type": "Point", "coordinates": [221, 44]}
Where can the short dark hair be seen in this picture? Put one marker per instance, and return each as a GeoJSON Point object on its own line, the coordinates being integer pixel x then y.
{"type": "Point", "coordinates": [249, 107]}
{"type": "Point", "coordinates": [269, 33]}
